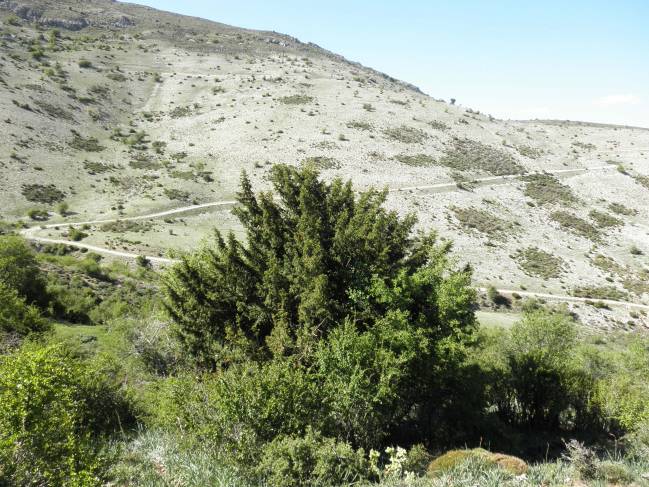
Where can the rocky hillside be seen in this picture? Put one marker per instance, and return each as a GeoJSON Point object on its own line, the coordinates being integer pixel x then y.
{"type": "Point", "coordinates": [119, 110]}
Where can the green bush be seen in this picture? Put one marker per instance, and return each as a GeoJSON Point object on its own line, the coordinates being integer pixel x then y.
{"type": "Point", "coordinates": [243, 407]}
{"type": "Point", "coordinates": [548, 389]}
{"type": "Point", "coordinates": [624, 394]}
{"type": "Point", "coordinates": [19, 270]}
{"type": "Point", "coordinates": [312, 460]}
{"type": "Point", "coordinates": [16, 316]}
{"type": "Point", "coordinates": [371, 378]}
{"type": "Point", "coordinates": [52, 407]}
{"type": "Point", "coordinates": [39, 193]}
{"type": "Point", "coordinates": [38, 214]}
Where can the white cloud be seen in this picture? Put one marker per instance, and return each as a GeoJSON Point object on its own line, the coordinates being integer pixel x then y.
{"type": "Point", "coordinates": [613, 100]}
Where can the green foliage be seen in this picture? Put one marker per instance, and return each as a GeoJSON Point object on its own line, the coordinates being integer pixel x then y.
{"type": "Point", "coordinates": [312, 460]}
{"type": "Point", "coordinates": [544, 381]}
{"type": "Point", "coordinates": [122, 226]}
{"type": "Point", "coordinates": [642, 181]}
{"type": "Point", "coordinates": [16, 316]}
{"type": "Point", "coordinates": [315, 258]}
{"type": "Point", "coordinates": [600, 292]}
{"type": "Point", "coordinates": [51, 405]}
{"type": "Point", "coordinates": [76, 235]}
{"type": "Point", "coordinates": [360, 125]}
{"type": "Point", "coordinates": [624, 394]}
{"type": "Point", "coordinates": [19, 270]}
{"type": "Point", "coordinates": [37, 214]}
{"type": "Point", "coordinates": [244, 407]}
{"type": "Point", "coordinates": [176, 194]}
{"type": "Point", "coordinates": [62, 208]}
{"type": "Point", "coordinates": [620, 209]}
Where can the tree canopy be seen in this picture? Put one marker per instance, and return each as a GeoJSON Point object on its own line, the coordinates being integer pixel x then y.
{"type": "Point", "coordinates": [316, 255]}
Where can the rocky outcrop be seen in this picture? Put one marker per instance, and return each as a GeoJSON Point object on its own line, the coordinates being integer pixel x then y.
{"type": "Point", "coordinates": [72, 21]}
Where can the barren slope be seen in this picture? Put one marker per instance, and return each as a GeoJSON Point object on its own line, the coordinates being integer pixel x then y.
{"type": "Point", "coordinates": [125, 110]}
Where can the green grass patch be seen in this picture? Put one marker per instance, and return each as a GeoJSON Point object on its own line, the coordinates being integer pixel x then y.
{"type": "Point", "coordinates": [54, 111]}
{"type": "Point", "coordinates": [437, 125]}
{"type": "Point", "coordinates": [94, 167]}
{"type": "Point", "coordinates": [180, 112]}
{"type": "Point", "coordinates": [144, 162]}
{"type": "Point", "coordinates": [642, 181]}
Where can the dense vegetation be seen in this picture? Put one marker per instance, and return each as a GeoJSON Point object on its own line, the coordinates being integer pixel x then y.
{"type": "Point", "coordinates": [335, 345]}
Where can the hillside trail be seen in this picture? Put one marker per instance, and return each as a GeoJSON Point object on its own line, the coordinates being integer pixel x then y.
{"type": "Point", "coordinates": [28, 233]}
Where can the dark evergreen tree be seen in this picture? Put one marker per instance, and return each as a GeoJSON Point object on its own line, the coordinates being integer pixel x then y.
{"type": "Point", "coordinates": [316, 255]}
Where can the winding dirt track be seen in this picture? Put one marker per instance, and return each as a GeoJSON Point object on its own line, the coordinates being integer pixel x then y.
{"type": "Point", "coordinates": [28, 233]}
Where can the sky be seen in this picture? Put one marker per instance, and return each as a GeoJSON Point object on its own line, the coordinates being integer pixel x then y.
{"type": "Point", "coordinates": [518, 59]}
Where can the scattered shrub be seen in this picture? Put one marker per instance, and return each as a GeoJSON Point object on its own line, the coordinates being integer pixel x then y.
{"type": "Point", "coordinates": [321, 162]}
{"type": "Point", "coordinates": [538, 263]}
{"type": "Point", "coordinates": [604, 220]}
{"type": "Point", "coordinates": [475, 219]}
{"type": "Point", "coordinates": [600, 292]}
{"type": "Point", "coordinates": [88, 144]}
{"type": "Point", "coordinates": [296, 100]}
{"type": "Point", "coordinates": [418, 160]}
{"type": "Point", "coordinates": [406, 135]}
{"type": "Point", "coordinates": [574, 224]}
{"type": "Point", "coordinates": [620, 209]}
{"type": "Point", "coordinates": [471, 155]}
{"type": "Point", "coordinates": [546, 189]}
{"type": "Point", "coordinates": [38, 214]}
{"type": "Point", "coordinates": [40, 193]}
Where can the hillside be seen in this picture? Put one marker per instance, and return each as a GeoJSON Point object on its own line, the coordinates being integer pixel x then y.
{"type": "Point", "coordinates": [120, 110]}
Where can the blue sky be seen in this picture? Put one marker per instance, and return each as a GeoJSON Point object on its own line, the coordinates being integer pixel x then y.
{"type": "Point", "coordinates": [571, 59]}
